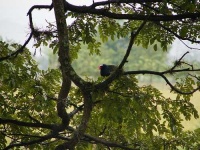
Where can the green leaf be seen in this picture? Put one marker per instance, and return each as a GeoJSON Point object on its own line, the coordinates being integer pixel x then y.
{"type": "Point", "coordinates": [155, 47]}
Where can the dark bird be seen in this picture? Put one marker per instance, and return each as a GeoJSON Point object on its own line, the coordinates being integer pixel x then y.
{"type": "Point", "coordinates": [106, 70]}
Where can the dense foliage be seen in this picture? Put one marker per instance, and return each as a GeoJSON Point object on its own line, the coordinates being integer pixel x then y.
{"type": "Point", "coordinates": [44, 110]}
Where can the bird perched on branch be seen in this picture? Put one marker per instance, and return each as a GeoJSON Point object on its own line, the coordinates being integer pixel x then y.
{"type": "Point", "coordinates": [106, 70]}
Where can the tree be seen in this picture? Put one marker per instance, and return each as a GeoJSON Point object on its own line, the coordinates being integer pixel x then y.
{"type": "Point", "coordinates": [44, 110]}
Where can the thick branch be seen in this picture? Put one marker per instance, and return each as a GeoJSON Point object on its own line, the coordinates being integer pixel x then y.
{"type": "Point", "coordinates": [66, 84]}
{"type": "Point", "coordinates": [91, 10]}
{"type": "Point", "coordinates": [83, 125]}
{"type": "Point", "coordinates": [62, 98]}
{"type": "Point", "coordinates": [63, 52]}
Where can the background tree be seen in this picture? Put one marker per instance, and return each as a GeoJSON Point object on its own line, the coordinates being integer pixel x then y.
{"type": "Point", "coordinates": [44, 110]}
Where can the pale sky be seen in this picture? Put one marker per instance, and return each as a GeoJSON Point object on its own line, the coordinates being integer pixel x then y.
{"type": "Point", "coordinates": [14, 21]}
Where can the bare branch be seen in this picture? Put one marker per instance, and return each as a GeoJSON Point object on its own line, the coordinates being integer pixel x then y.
{"type": "Point", "coordinates": [192, 48]}
{"type": "Point", "coordinates": [36, 32]}
{"type": "Point", "coordinates": [177, 90]}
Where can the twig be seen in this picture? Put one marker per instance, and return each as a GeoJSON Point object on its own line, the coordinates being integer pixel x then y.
{"type": "Point", "coordinates": [71, 114]}
{"type": "Point", "coordinates": [179, 61]}
{"type": "Point", "coordinates": [192, 48]}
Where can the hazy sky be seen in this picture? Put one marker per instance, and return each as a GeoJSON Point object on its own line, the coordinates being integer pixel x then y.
{"type": "Point", "coordinates": [14, 21]}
